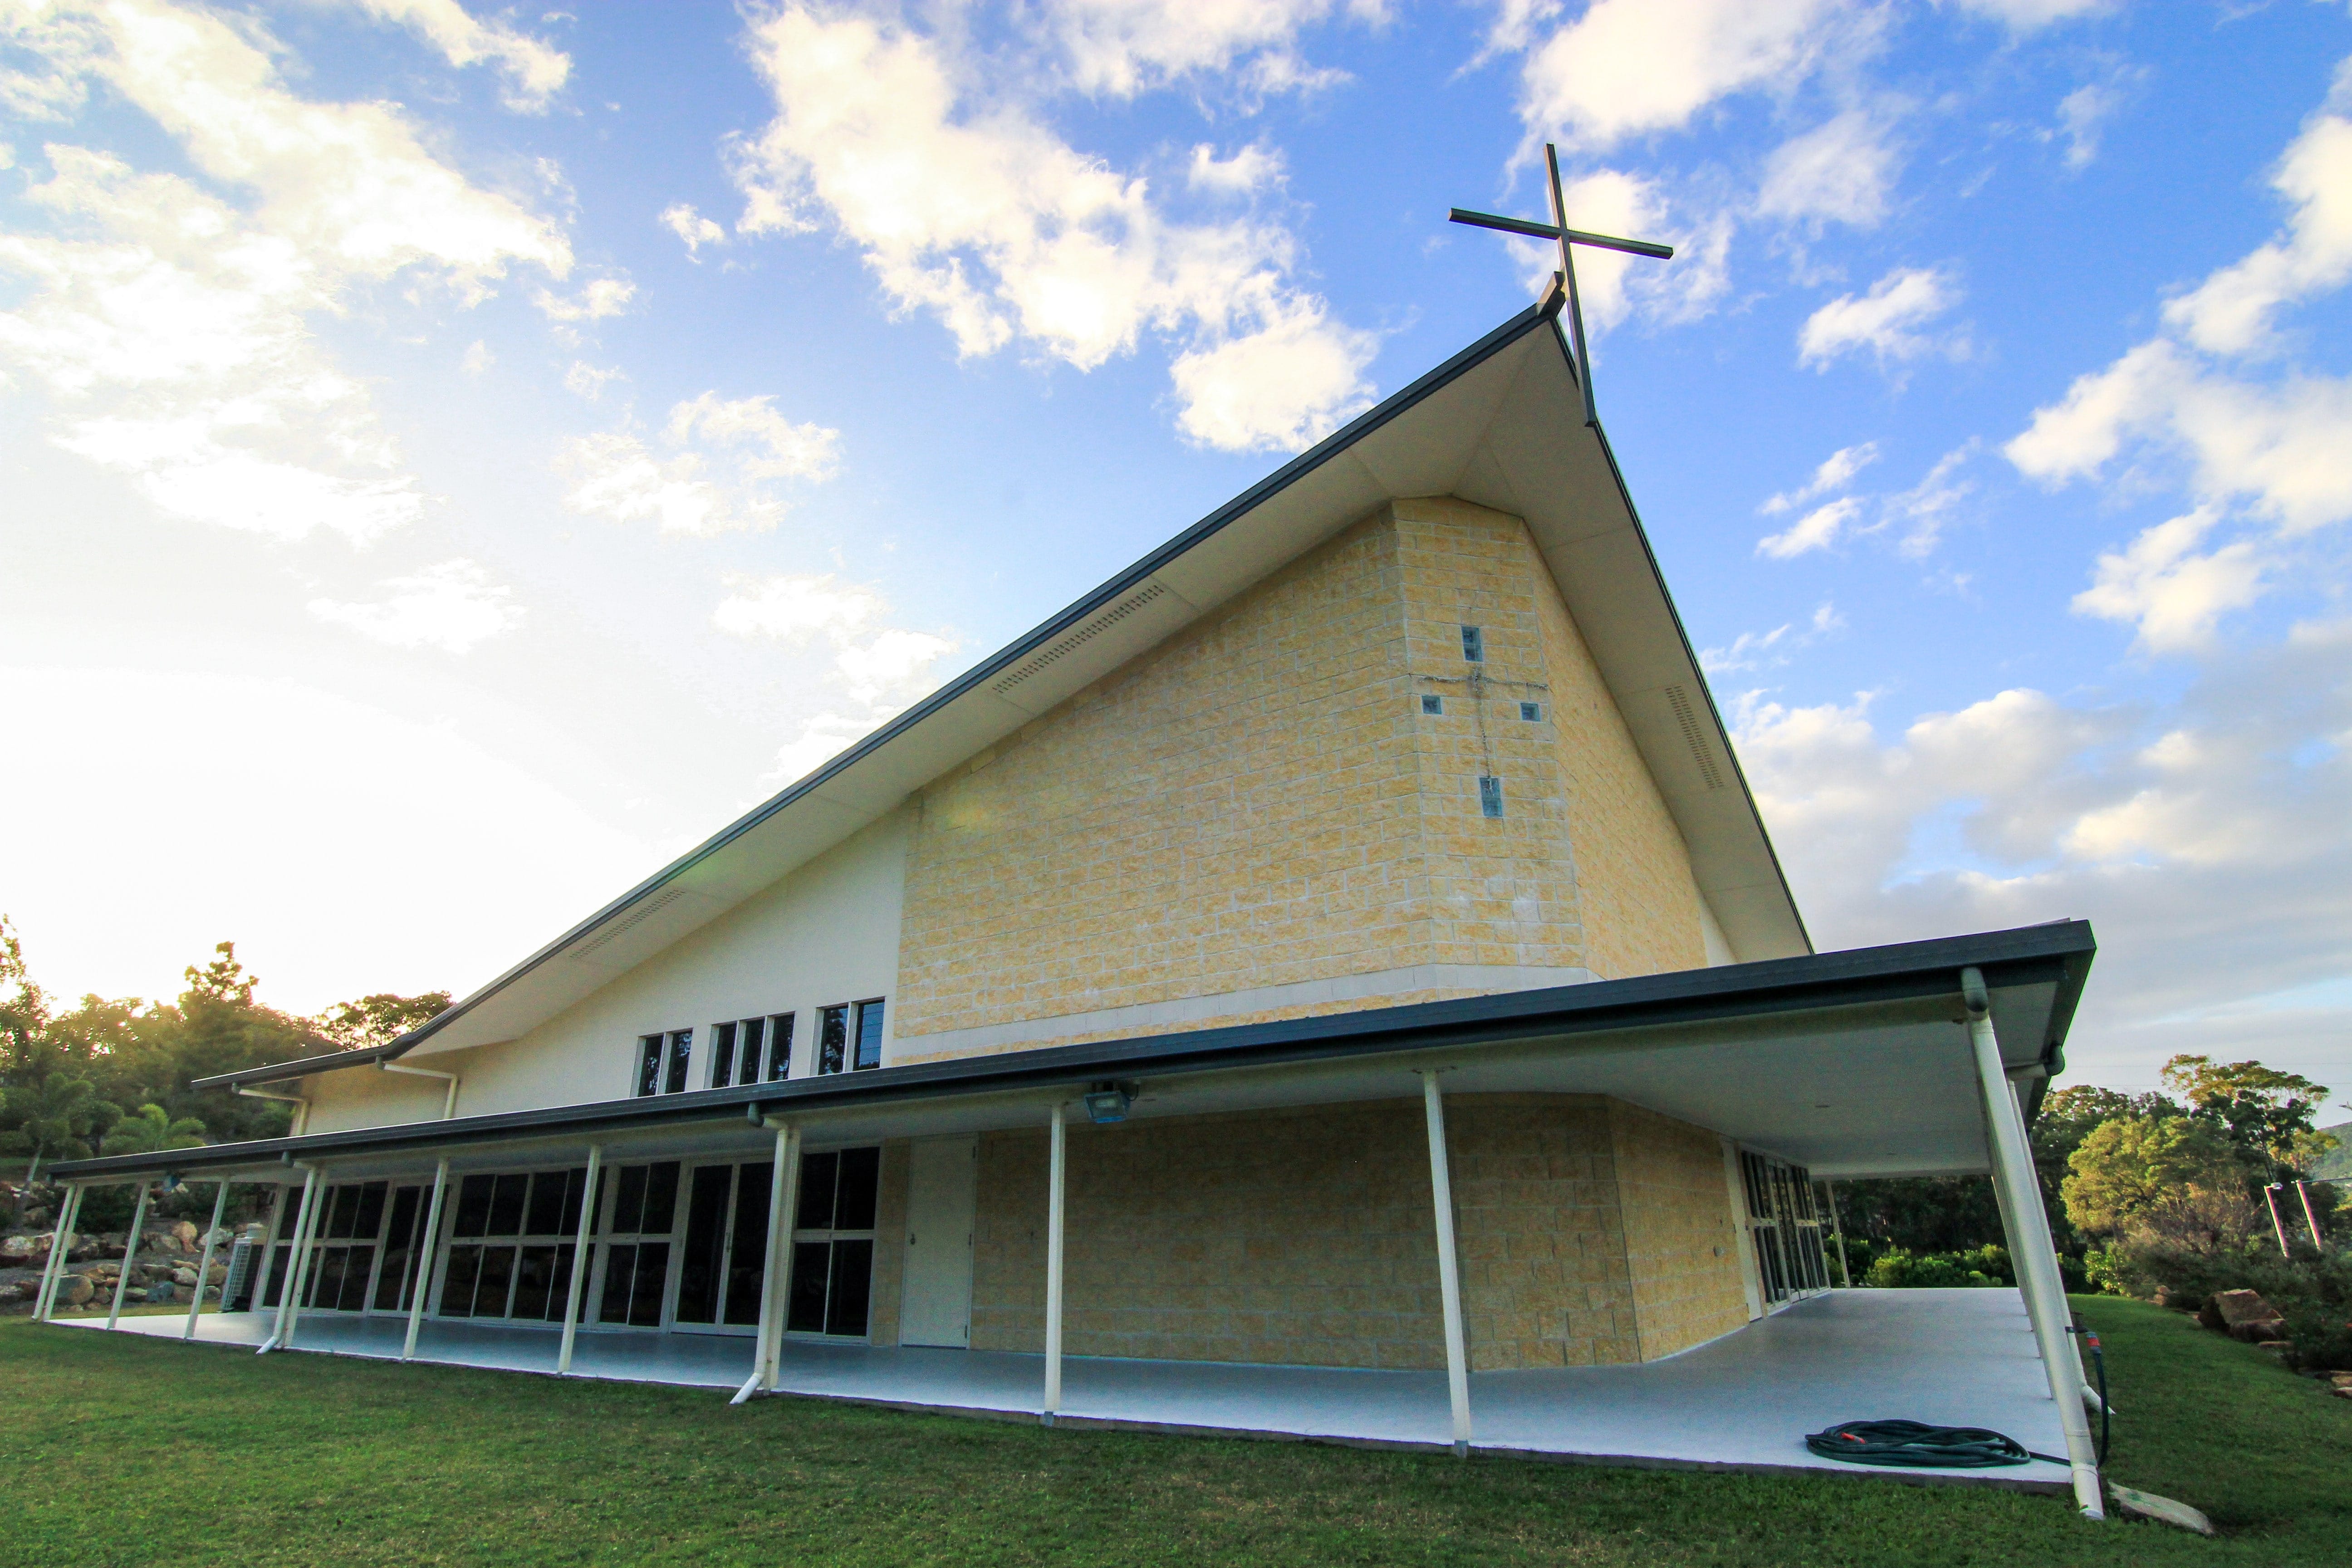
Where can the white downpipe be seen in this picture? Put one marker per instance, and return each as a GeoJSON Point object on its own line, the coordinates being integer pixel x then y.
{"type": "Point", "coordinates": [783, 1193]}
{"type": "Point", "coordinates": [205, 1265]}
{"type": "Point", "coordinates": [1055, 1210]}
{"type": "Point", "coordinates": [1449, 1264]}
{"type": "Point", "coordinates": [60, 1243]}
{"type": "Point", "coordinates": [129, 1251]}
{"type": "Point", "coordinates": [301, 1107]}
{"type": "Point", "coordinates": [2035, 1254]}
{"type": "Point", "coordinates": [448, 1105]}
{"type": "Point", "coordinates": [584, 1255]}
{"type": "Point", "coordinates": [429, 1252]}
{"type": "Point", "coordinates": [281, 1334]}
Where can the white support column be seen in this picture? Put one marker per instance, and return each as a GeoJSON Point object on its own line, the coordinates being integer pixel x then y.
{"type": "Point", "coordinates": [584, 1256]}
{"type": "Point", "coordinates": [1056, 1208]}
{"type": "Point", "coordinates": [2034, 1253]}
{"type": "Point", "coordinates": [299, 1246]}
{"type": "Point", "coordinates": [268, 1262]}
{"type": "Point", "coordinates": [129, 1251]}
{"type": "Point", "coordinates": [205, 1264]}
{"type": "Point", "coordinates": [427, 1250]}
{"type": "Point", "coordinates": [1449, 1264]}
{"type": "Point", "coordinates": [776, 1273]}
{"type": "Point", "coordinates": [60, 1243]}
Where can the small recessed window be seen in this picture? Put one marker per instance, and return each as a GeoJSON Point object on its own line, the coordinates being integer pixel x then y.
{"type": "Point", "coordinates": [1473, 645]}
{"type": "Point", "coordinates": [1432, 704]}
{"type": "Point", "coordinates": [1531, 712]}
{"type": "Point", "coordinates": [1490, 796]}
{"type": "Point", "coordinates": [661, 1062]}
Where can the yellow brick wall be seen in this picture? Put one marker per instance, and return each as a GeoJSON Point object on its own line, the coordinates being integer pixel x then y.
{"type": "Point", "coordinates": [1259, 802]}
{"type": "Point", "coordinates": [1681, 1249]}
{"type": "Point", "coordinates": [1306, 1237]}
{"type": "Point", "coordinates": [889, 1246]}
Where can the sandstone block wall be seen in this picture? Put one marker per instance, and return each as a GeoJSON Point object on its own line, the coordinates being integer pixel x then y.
{"type": "Point", "coordinates": [1306, 1237]}
{"type": "Point", "coordinates": [1682, 1240]}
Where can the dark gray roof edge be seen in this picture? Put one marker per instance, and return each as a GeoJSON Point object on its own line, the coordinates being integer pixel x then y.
{"type": "Point", "coordinates": [1307, 462]}
{"type": "Point", "coordinates": [329, 1061]}
{"type": "Point", "coordinates": [1707, 689]}
{"type": "Point", "coordinates": [2059, 953]}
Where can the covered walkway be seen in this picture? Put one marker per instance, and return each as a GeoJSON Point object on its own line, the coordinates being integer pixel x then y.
{"type": "Point", "coordinates": [1743, 1402]}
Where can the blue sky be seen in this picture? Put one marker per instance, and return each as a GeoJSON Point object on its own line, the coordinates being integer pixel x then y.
{"type": "Point", "coordinates": [456, 458]}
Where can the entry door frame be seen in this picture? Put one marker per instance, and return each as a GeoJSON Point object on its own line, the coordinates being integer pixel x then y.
{"type": "Point", "coordinates": [736, 1164]}
{"type": "Point", "coordinates": [965, 1149]}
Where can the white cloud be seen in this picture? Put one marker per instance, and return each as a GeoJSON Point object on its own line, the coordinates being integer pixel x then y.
{"type": "Point", "coordinates": [693, 230]}
{"type": "Point", "coordinates": [714, 476]}
{"type": "Point", "coordinates": [1629, 67]}
{"type": "Point", "coordinates": [2231, 312]}
{"type": "Point", "coordinates": [1122, 47]}
{"type": "Point", "coordinates": [2083, 116]}
{"type": "Point", "coordinates": [1817, 529]}
{"type": "Point", "coordinates": [478, 358]}
{"type": "Point", "coordinates": [584, 380]}
{"type": "Point", "coordinates": [1836, 472]}
{"type": "Point", "coordinates": [451, 606]}
{"type": "Point", "coordinates": [535, 70]}
{"type": "Point", "coordinates": [880, 670]}
{"type": "Point", "coordinates": [2028, 15]}
{"type": "Point", "coordinates": [1251, 169]}
{"type": "Point", "coordinates": [2173, 595]}
{"type": "Point", "coordinates": [172, 327]}
{"type": "Point", "coordinates": [1886, 320]}
{"type": "Point", "coordinates": [1751, 651]}
{"type": "Point", "coordinates": [970, 207]}
{"type": "Point", "coordinates": [796, 608]}
{"type": "Point", "coordinates": [602, 297]}
{"type": "Point", "coordinates": [2278, 448]}
{"type": "Point", "coordinates": [1929, 505]}
{"type": "Point", "coordinates": [779, 449]}
{"type": "Point", "coordinates": [1839, 171]}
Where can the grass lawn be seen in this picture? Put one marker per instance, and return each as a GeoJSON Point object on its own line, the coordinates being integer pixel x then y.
{"type": "Point", "coordinates": [130, 1451]}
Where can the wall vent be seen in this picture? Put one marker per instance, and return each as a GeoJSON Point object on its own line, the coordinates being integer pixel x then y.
{"type": "Point", "coordinates": [635, 917]}
{"type": "Point", "coordinates": [1062, 647]}
{"type": "Point", "coordinates": [1694, 736]}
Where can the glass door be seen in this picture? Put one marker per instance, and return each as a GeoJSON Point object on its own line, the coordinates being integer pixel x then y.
{"type": "Point", "coordinates": [511, 1244]}
{"type": "Point", "coordinates": [725, 1251]}
{"type": "Point", "coordinates": [640, 1219]}
{"type": "Point", "coordinates": [344, 1251]}
{"type": "Point", "coordinates": [833, 1243]}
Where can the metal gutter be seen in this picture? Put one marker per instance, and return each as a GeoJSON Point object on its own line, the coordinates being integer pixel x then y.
{"type": "Point", "coordinates": [2059, 953]}
{"type": "Point", "coordinates": [279, 1072]}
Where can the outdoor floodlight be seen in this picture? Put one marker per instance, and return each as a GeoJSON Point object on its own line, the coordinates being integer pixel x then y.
{"type": "Point", "coordinates": [1107, 1103]}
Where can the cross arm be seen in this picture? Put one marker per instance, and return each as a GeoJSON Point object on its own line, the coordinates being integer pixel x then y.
{"type": "Point", "coordinates": [1535, 230]}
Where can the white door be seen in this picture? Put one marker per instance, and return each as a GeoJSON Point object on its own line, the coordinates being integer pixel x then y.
{"type": "Point", "coordinates": [943, 1191]}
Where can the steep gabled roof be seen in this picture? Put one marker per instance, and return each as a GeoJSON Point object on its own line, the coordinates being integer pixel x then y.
{"type": "Point", "coordinates": [1500, 424]}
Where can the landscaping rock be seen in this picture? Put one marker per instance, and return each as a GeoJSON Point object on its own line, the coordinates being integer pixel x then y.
{"type": "Point", "coordinates": [2163, 1510]}
{"type": "Point", "coordinates": [16, 1251]}
{"type": "Point", "coordinates": [185, 1235]}
{"type": "Point", "coordinates": [75, 1291]}
{"type": "Point", "coordinates": [2243, 1315]}
{"type": "Point", "coordinates": [162, 1293]}
{"type": "Point", "coordinates": [185, 1278]}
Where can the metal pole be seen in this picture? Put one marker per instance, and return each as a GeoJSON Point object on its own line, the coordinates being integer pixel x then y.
{"type": "Point", "coordinates": [1837, 1228]}
{"type": "Point", "coordinates": [1449, 1264]}
{"type": "Point", "coordinates": [293, 1283]}
{"type": "Point", "coordinates": [304, 1252]}
{"type": "Point", "coordinates": [268, 1250]}
{"type": "Point", "coordinates": [60, 1243]}
{"type": "Point", "coordinates": [2303, 1191]}
{"type": "Point", "coordinates": [2035, 1255]}
{"type": "Point", "coordinates": [205, 1264]}
{"type": "Point", "coordinates": [129, 1251]}
{"type": "Point", "coordinates": [1575, 305]}
{"type": "Point", "coordinates": [1055, 1210]}
{"type": "Point", "coordinates": [583, 1254]}
{"type": "Point", "coordinates": [780, 1189]}
{"type": "Point", "coordinates": [2278, 1226]}
{"type": "Point", "coordinates": [427, 1249]}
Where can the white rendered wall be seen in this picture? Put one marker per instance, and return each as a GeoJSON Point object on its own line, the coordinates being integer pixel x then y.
{"type": "Point", "coordinates": [1718, 949]}
{"type": "Point", "coordinates": [826, 934]}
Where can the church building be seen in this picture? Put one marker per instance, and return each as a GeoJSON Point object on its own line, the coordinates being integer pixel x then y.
{"type": "Point", "coordinates": [1343, 943]}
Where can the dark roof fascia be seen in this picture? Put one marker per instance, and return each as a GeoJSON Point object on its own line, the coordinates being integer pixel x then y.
{"type": "Point", "coordinates": [279, 1072]}
{"type": "Point", "coordinates": [1715, 714]}
{"type": "Point", "coordinates": [2059, 953]}
{"type": "Point", "coordinates": [1290, 473]}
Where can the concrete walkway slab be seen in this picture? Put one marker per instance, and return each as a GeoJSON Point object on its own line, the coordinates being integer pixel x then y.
{"type": "Point", "coordinates": [1744, 1402]}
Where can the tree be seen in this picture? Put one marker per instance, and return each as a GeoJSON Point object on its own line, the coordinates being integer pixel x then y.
{"type": "Point", "coordinates": [153, 1129]}
{"type": "Point", "coordinates": [2133, 1166]}
{"type": "Point", "coordinates": [58, 1117]}
{"type": "Point", "coordinates": [379, 1020]}
{"type": "Point", "coordinates": [2264, 1113]}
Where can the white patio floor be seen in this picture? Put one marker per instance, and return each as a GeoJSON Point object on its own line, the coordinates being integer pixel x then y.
{"type": "Point", "coordinates": [1743, 1402]}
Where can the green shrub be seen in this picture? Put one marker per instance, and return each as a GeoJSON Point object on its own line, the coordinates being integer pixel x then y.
{"type": "Point", "coordinates": [1898, 1269]}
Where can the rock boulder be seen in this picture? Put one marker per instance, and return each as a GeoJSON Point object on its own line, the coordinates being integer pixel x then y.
{"type": "Point", "coordinates": [2243, 1315]}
